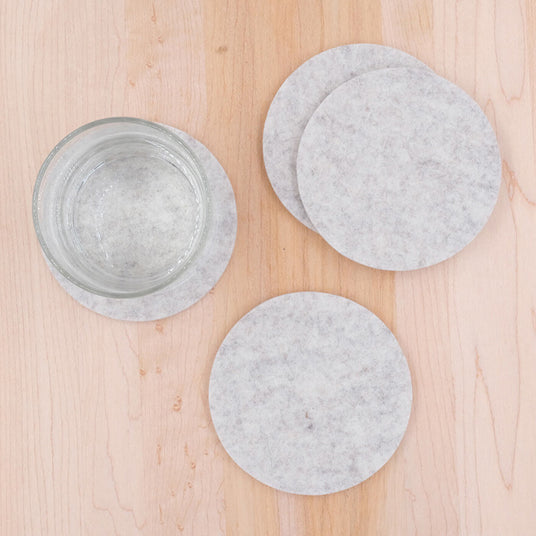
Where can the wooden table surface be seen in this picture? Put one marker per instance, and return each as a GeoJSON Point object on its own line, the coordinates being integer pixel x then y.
{"type": "Point", "coordinates": [104, 425]}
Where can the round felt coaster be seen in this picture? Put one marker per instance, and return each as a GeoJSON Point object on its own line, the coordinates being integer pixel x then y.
{"type": "Point", "coordinates": [399, 169]}
{"type": "Point", "coordinates": [204, 271]}
{"type": "Point", "coordinates": [298, 98]}
{"type": "Point", "coordinates": [310, 393]}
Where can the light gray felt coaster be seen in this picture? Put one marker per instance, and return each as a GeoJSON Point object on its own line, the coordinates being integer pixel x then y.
{"type": "Point", "coordinates": [310, 393]}
{"type": "Point", "coordinates": [298, 98]}
{"type": "Point", "coordinates": [205, 270]}
{"type": "Point", "coordinates": [399, 169]}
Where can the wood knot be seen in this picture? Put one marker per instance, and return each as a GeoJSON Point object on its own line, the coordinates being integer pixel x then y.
{"type": "Point", "coordinates": [177, 406]}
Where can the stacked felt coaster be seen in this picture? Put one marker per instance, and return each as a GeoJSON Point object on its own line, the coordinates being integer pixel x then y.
{"type": "Point", "coordinates": [394, 166]}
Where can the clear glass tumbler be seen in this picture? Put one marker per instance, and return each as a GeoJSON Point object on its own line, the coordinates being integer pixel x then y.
{"type": "Point", "coordinates": [120, 207]}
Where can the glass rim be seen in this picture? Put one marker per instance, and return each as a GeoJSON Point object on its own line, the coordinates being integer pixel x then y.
{"type": "Point", "coordinates": [37, 188]}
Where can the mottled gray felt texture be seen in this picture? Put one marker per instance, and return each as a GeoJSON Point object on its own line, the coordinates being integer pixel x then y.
{"type": "Point", "coordinates": [298, 98]}
{"type": "Point", "coordinates": [310, 393]}
{"type": "Point", "coordinates": [203, 272]}
{"type": "Point", "coordinates": [399, 169]}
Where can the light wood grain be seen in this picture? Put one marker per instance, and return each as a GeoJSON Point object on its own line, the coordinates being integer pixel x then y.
{"type": "Point", "coordinates": [104, 425]}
